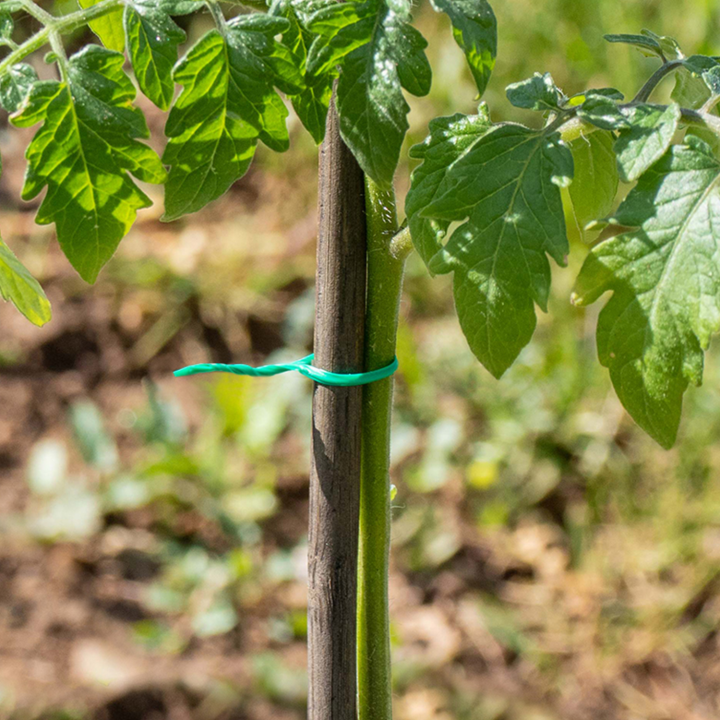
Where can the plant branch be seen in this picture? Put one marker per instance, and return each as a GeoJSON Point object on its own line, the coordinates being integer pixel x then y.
{"type": "Point", "coordinates": [401, 245]}
{"type": "Point", "coordinates": [54, 25]}
{"type": "Point", "coordinates": [36, 11]}
{"type": "Point", "coordinates": [384, 286]}
{"type": "Point", "coordinates": [217, 14]}
{"type": "Point", "coordinates": [646, 90]}
{"type": "Point", "coordinates": [711, 102]}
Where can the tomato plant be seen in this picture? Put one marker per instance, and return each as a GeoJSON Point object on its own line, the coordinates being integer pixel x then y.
{"type": "Point", "coordinates": [486, 204]}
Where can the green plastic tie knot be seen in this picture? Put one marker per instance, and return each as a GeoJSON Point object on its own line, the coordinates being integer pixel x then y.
{"type": "Point", "coordinates": [303, 366]}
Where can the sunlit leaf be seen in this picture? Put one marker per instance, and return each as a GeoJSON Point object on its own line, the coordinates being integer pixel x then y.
{"type": "Point", "coordinates": [15, 85]}
{"type": "Point", "coordinates": [6, 24]}
{"type": "Point", "coordinates": [379, 53]}
{"type": "Point", "coordinates": [109, 27]}
{"type": "Point", "coordinates": [602, 111]}
{"type": "Point", "coordinates": [475, 31]}
{"type": "Point", "coordinates": [228, 103]}
{"type": "Point", "coordinates": [84, 153]}
{"type": "Point", "coordinates": [536, 93]}
{"type": "Point", "coordinates": [152, 39]}
{"type": "Point", "coordinates": [19, 287]}
{"type": "Point", "coordinates": [650, 132]}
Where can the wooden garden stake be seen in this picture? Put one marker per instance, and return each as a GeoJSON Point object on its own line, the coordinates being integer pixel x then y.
{"type": "Point", "coordinates": [335, 472]}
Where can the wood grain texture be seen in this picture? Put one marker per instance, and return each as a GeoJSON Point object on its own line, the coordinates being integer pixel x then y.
{"type": "Point", "coordinates": [335, 471]}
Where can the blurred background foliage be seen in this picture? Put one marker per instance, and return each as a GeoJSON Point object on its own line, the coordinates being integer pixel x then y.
{"type": "Point", "coordinates": [550, 561]}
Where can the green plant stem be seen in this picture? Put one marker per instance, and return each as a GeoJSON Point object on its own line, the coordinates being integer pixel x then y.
{"type": "Point", "coordinates": [55, 25]}
{"type": "Point", "coordinates": [384, 283]}
{"type": "Point", "coordinates": [401, 245]}
{"type": "Point", "coordinates": [217, 15]}
{"type": "Point", "coordinates": [36, 11]}
{"type": "Point", "coordinates": [646, 90]}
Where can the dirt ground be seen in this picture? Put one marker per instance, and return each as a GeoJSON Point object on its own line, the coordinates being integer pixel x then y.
{"type": "Point", "coordinates": [67, 609]}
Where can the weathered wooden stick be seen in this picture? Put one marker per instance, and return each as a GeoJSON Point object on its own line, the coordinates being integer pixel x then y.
{"type": "Point", "coordinates": [335, 471]}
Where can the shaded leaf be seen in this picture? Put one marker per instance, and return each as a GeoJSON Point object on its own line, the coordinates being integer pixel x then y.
{"type": "Point", "coordinates": [83, 153]}
{"type": "Point", "coordinates": [668, 45]}
{"type": "Point", "coordinates": [311, 99]}
{"type": "Point", "coordinates": [475, 31]}
{"type": "Point", "coordinates": [450, 138]}
{"type": "Point", "coordinates": [697, 80]}
{"type": "Point", "coordinates": [97, 446]}
{"type": "Point", "coordinates": [507, 187]}
{"type": "Point", "coordinates": [690, 91]}
{"type": "Point", "coordinates": [665, 280]}
{"type": "Point", "coordinates": [228, 103]}
{"type": "Point", "coordinates": [595, 183]}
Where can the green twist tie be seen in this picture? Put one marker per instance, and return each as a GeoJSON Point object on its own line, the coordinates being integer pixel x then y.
{"type": "Point", "coordinates": [303, 366]}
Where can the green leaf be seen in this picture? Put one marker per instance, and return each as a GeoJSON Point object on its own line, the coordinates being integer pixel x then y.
{"type": "Point", "coordinates": [690, 91]}
{"type": "Point", "coordinates": [179, 7]}
{"type": "Point", "coordinates": [669, 46]}
{"type": "Point", "coordinates": [595, 183]}
{"type": "Point", "coordinates": [6, 25]}
{"type": "Point", "coordinates": [109, 28]}
{"type": "Point", "coordinates": [707, 135]}
{"type": "Point", "coordinates": [601, 111]}
{"type": "Point", "coordinates": [152, 39]}
{"type": "Point", "coordinates": [696, 81]}
{"type": "Point", "coordinates": [665, 281]}
{"type": "Point", "coordinates": [450, 138]}
{"type": "Point", "coordinates": [15, 84]}
{"type": "Point", "coordinates": [475, 31]}
{"type": "Point", "coordinates": [651, 131]}
{"type": "Point", "coordinates": [379, 53]}
{"type": "Point", "coordinates": [712, 80]}
{"type": "Point", "coordinates": [311, 99]}
{"type": "Point", "coordinates": [228, 103]}
{"type": "Point", "coordinates": [507, 186]}
{"type": "Point", "coordinates": [647, 45]}
{"type": "Point", "coordinates": [580, 98]}
{"type": "Point", "coordinates": [19, 287]}
{"type": "Point", "coordinates": [536, 93]}
{"type": "Point", "coordinates": [83, 153]}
